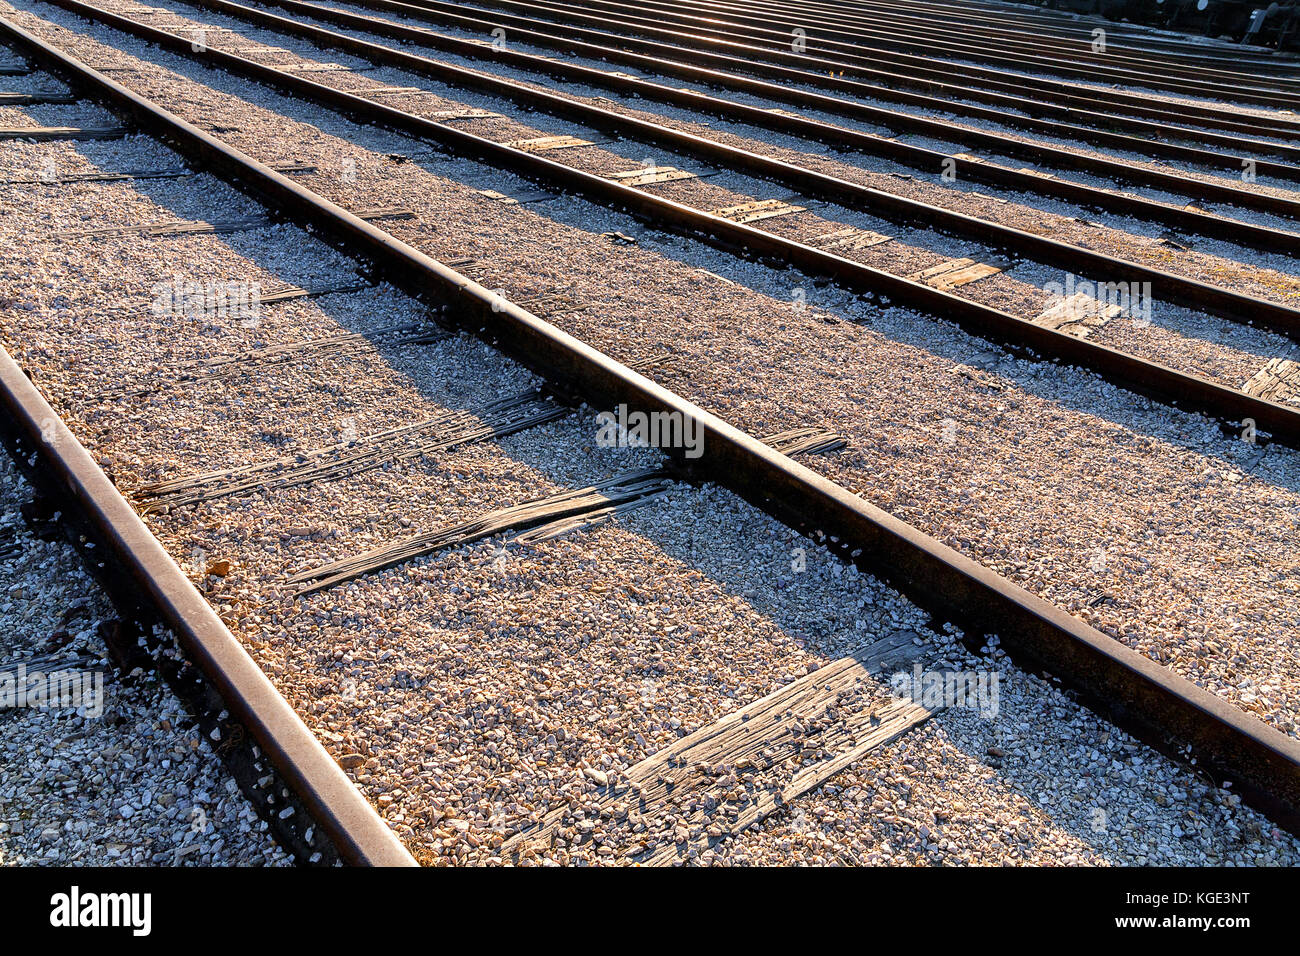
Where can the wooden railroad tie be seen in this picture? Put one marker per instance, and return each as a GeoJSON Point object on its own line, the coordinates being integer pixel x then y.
{"type": "Point", "coordinates": [1078, 315]}
{"type": "Point", "coordinates": [105, 177]}
{"type": "Point", "coordinates": [542, 519]}
{"type": "Point", "coordinates": [28, 99]}
{"type": "Point", "coordinates": [550, 302]}
{"type": "Point", "coordinates": [728, 776]}
{"type": "Point", "coordinates": [178, 172]}
{"type": "Point", "coordinates": [469, 267]}
{"type": "Point", "coordinates": [849, 240]}
{"type": "Point", "coordinates": [393, 91]}
{"type": "Point", "coordinates": [322, 68]}
{"type": "Point", "coordinates": [543, 143]}
{"type": "Point", "coordinates": [64, 132]}
{"type": "Point", "coordinates": [955, 273]}
{"type": "Point", "coordinates": [446, 116]}
{"type": "Point", "coordinates": [759, 209]}
{"type": "Point", "coordinates": [1277, 381]}
{"type": "Point", "coordinates": [441, 432]}
{"type": "Point", "coordinates": [251, 50]}
{"type": "Point", "coordinates": [516, 200]}
{"type": "Point", "coordinates": [648, 175]}
{"type": "Point", "coordinates": [199, 227]}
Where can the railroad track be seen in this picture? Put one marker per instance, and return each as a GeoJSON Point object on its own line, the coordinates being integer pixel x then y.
{"type": "Point", "coordinates": [735, 69]}
{"type": "Point", "coordinates": [772, 734]}
{"type": "Point", "coordinates": [732, 231]}
{"type": "Point", "coordinates": [1077, 60]}
{"type": "Point", "coordinates": [1274, 92]}
{"type": "Point", "coordinates": [885, 144]}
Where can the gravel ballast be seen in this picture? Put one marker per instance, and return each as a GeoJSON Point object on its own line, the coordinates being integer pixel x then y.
{"type": "Point", "coordinates": [467, 692]}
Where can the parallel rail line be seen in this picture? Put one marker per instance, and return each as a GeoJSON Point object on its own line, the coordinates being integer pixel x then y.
{"type": "Point", "coordinates": [1158, 381]}
{"type": "Point", "coordinates": [1189, 220]}
{"type": "Point", "coordinates": [1061, 91]}
{"type": "Point", "coordinates": [1063, 25]}
{"type": "Point", "coordinates": [1202, 82]}
{"type": "Point", "coordinates": [1181, 64]}
{"type": "Point", "coordinates": [668, 61]}
{"type": "Point", "coordinates": [886, 86]}
{"type": "Point", "coordinates": [1135, 691]}
{"type": "Point", "coordinates": [1167, 286]}
{"type": "Point", "coordinates": [920, 71]}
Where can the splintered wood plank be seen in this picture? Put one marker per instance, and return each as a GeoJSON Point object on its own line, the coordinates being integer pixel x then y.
{"type": "Point", "coordinates": [648, 175]}
{"type": "Point", "coordinates": [64, 132]}
{"type": "Point", "coordinates": [172, 228]}
{"type": "Point", "coordinates": [505, 200]}
{"type": "Point", "coordinates": [20, 99]}
{"type": "Point", "coordinates": [551, 302]}
{"type": "Point", "coordinates": [1277, 381]}
{"type": "Point", "coordinates": [102, 177]}
{"type": "Point", "coordinates": [954, 273]}
{"type": "Point", "coordinates": [460, 114]}
{"type": "Point", "coordinates": [319, 68]}
{"type": "Point", "coordinates": [849, 240]}
{"type": "Point", "coordinates": [1078, 315]}
{"type": "Point", "coordinates": [723, 778]}
{"type": "Point", "coordinates": [542, 143]}
{"type": "Point", "coordinates": [287, 292]}
{"type": "Point", "coordinates": [384, 212]}
{"type": "Point", "coordinates": [759, 209]}
{"type": "Point", "coordinates": [51, 664]}
{"type": "Point", "coordinates": [395, 91]}
{"type": "Point", "coordinates": [198, 227]}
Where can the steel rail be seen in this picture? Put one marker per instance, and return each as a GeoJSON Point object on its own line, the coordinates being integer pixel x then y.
{"type": "Point", "coordinates": [1238, 94]}
{"type": "Point", "coordinates": [1143, 697]}
{"type": "Point", "coordinates": [1127, 68]}
{"type": "Point", "coordinates": [1120, 368]}
{"type": "Point", "coordinates": [1079, 49]}
{"type": "Point", "coordinates": [820, 72]}
{"type": "Point", "coordinates": [67, 469]}
{"type": "Point", "coordinates": [1189, 220]}
{"type": "Point", "coordinates": [574, 39]}
{"type": "Point", "coordinates": [1069, 21]}
{"type": "Point", "coordinates": [1053, 87]}
{"type": "Point", "coordinates": [1070, 27]}
{"type": "Point", "coordinates": [1231, 53]}
{"type": "Point", "coordinates": [72, 476]}
{"type": "Point", "coordinates": [1044, 118]}
{"type": "Point", "coordinates": [1167, 286]}
{"type": "Point", "coordinates": [1081, 103]}
{"type": "Point", "coordinates": [1064, 26]}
